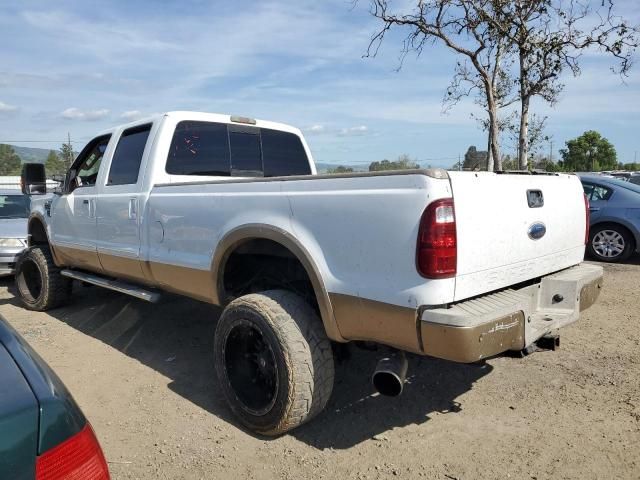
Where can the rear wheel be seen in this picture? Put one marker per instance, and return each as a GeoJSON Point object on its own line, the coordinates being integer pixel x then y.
{"type": "Point", "coordinates": [610, 243]}
{"type": "Point", "coordinates": [273, 360]}
{"type": "Point", "coordinates": [40, 285]}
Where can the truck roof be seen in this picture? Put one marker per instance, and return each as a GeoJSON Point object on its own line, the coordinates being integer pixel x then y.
{"type": "Point", "coordinates": [182, 115]}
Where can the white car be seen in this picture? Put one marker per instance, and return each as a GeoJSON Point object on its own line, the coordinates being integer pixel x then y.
{"type": "Point", "coordinates": [14, 211]}
{"type": "Point", "coordinates": [230, 211]}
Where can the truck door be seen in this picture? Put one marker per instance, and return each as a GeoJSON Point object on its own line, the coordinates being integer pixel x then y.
{"type": "Point", "coordinates": [73, 229]}
{"type": "Point", "coordinates": [119, 206]}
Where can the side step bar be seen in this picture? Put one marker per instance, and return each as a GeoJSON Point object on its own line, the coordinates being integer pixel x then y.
{"type": "Point", "coordinates": [122, 287]}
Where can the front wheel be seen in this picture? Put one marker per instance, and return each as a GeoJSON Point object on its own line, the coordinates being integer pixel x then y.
{"type": "Point", "coordinates": [273, 360]}
{"type": "Point", "coordinates": [610, 243]}
{"type": "Point", "coordinates": [40, 285]}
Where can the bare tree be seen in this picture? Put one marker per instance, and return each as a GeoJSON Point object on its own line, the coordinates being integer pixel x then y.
{"type": "Point", "coordinates": [550, 36]}
{"type": "Point", "coordinates": [459, 25]}
{"type": "Point", "coordinates": [467, 81]}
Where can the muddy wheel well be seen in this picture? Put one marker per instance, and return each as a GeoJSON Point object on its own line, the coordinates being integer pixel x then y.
{"type": "Point", "coordinates": [257, 265]}
{"type": "Point", "coordinates": [37, 233]}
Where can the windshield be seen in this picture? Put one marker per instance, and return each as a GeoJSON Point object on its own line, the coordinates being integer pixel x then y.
{"type": "Point", "coordinates": [14, 206]}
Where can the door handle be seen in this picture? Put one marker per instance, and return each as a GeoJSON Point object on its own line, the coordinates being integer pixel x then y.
{"type": "Point", "coordinates": [85, 201]}
{"type": "Point", "coordinates": [133, 208]}
{"type": "Point", "coordinates": [594, 209]}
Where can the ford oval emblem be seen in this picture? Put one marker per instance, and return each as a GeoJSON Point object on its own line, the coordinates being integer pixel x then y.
{"type": "Point", "coordinates": [536, 231]}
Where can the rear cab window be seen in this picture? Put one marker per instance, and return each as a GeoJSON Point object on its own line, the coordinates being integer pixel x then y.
{"type": "Point", "coordinates": [220, 149]}
{"type": "Point", "coordinates": [199, 148]}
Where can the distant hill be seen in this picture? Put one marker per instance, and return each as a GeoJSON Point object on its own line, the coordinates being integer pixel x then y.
{"type": "Point", "coordinates": [31, 155]}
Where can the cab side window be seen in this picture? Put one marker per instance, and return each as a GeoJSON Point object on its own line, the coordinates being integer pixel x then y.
{"type": "Point", "coordinates": [125, 165]}
{"type": "Point", "coordinates": [84, 172]}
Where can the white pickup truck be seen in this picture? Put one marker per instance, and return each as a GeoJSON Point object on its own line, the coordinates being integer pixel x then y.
{"type": "Point", "coordinates": [230, 211]}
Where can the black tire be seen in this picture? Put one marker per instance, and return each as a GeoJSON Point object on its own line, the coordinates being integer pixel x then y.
{"type": "Point", "coordinates": [38, 280]}
{"type": "Point", "coordinates": [273, 360]}
{"type": "Point", "coordinates": [619, 243]}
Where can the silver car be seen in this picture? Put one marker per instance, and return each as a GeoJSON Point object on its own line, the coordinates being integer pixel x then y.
{"type": "Point", "coordinates": [14, 210]}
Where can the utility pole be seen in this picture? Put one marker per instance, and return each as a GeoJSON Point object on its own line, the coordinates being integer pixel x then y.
{"type": "Point", "coordinates": [551, 151]}
{"type": "Point", "coordinates": [459, 164]}
{"type": "Point", "coordinates": [69, 159]}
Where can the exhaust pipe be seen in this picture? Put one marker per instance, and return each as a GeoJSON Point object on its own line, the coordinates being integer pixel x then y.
{"type": "Point", "coordinates": [390, 374]}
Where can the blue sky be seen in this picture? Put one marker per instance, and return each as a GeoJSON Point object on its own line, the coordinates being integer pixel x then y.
{"type": "Point", "coordinates": [80, 67]}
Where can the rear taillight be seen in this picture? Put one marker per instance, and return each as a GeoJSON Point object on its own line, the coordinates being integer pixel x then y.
{"type": "Point", "coordinates": [436, 252]}
{"type": "Point", "coordinates": [586, 219]}
{"type": "Point", "coordinates": [79, 458]}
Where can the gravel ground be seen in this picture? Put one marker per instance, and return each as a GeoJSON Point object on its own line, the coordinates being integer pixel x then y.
{"type": "Point", "coordinates": [142, 373]}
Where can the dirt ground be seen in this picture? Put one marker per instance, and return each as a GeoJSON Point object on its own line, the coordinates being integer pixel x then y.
{"type": "Point", "coordinates": [142, 374]}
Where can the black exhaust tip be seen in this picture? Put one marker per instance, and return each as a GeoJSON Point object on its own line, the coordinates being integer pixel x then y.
{"type": "Point", "coordinates": [390, 375]}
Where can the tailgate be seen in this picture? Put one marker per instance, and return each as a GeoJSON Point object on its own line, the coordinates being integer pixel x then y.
{"type": "Point", "coordinates": [504, 237]}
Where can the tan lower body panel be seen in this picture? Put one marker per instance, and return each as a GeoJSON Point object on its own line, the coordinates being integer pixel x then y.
{"type": "Point", "coordinates": [198, 284]}
{"type": "Point", "coordinates": [123, 267]}
{"type": "Point", "coordinates": [76, 257]}
{"type": "Point", "coordinates": [364, 319]}
{"type": "Point", "coordinates": [470, 344]}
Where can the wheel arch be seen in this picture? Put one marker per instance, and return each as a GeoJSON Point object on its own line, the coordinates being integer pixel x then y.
{"type": "Point", "coordinates": [245, 233]}
{"type": "Point", "coordinates": [36, 231]}
{"type": "Point", "coordinates": [37, 234]}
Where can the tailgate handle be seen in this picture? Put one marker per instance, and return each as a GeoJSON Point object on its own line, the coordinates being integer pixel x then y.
{"type": "Point", "coordinates": [535, 199]}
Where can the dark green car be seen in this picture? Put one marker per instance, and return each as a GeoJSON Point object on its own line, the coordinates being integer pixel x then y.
{"type": "Point", "coordinates": [43, 433]}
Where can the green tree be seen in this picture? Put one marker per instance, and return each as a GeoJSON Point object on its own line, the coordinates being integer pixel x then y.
{"type": "Point", "coordinates": [66, 155]}
{"type": "Point", "coordinates": [589, 152]}
{"type": "Point", "coordinates": [339, 169]}
{"type": "Point", "coordinates": [10, 163]}
{"type": "Point", "coordinates": [54, 164]}
{"type": "Point", "coordinates": [404, 162]}
{"type": "Point", "coordinates": [633, 167]}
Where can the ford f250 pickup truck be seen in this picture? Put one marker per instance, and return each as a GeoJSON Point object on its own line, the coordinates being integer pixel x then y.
{"type": "Point", "coordinates": [229, 210]}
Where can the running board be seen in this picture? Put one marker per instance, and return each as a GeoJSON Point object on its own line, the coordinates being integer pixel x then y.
{"type": "Point", "coordinates": [115, 285]}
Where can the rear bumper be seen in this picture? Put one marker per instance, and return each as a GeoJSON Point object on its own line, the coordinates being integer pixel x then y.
{"type": "Point", "coordinates": [510, 319]}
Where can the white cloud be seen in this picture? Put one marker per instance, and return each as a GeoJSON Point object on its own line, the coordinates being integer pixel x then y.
{"type": "Point", "coordinates": [354, 131]}
{"type": "Point", "coordinates": [89, 115]}
{"type": "Point", "coordinates": [6, 108]}
{"type": "Point", "coordinates": [316, 129]}
{"type": "Point", "coordinates": [131, 115]}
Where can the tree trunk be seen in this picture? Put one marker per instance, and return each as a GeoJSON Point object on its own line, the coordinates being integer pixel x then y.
{"type": "Point", "coordinates": [523, 134]}
{"type": "Point", "coordinates": [495, 161]}
{"type": "Point", "coordinates": [523, 138]}
{"type": "Point", "coordinates": [489, 153]}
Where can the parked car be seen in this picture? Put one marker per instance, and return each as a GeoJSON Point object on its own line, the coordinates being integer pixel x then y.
{"type": "Point", "coordinates": [14, 211]}
{"type": "Point", "coordinates": [230, 211]}
{"type": "Point", "coordinates": [43, 433]}
{"type": "Point", "coordinates": [635, 179]}
{"type": "Point", "coordinates": [615, 217]}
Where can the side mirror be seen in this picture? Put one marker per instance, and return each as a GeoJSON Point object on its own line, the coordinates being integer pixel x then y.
{"type": "Point", "coordinates": [33, 179]}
